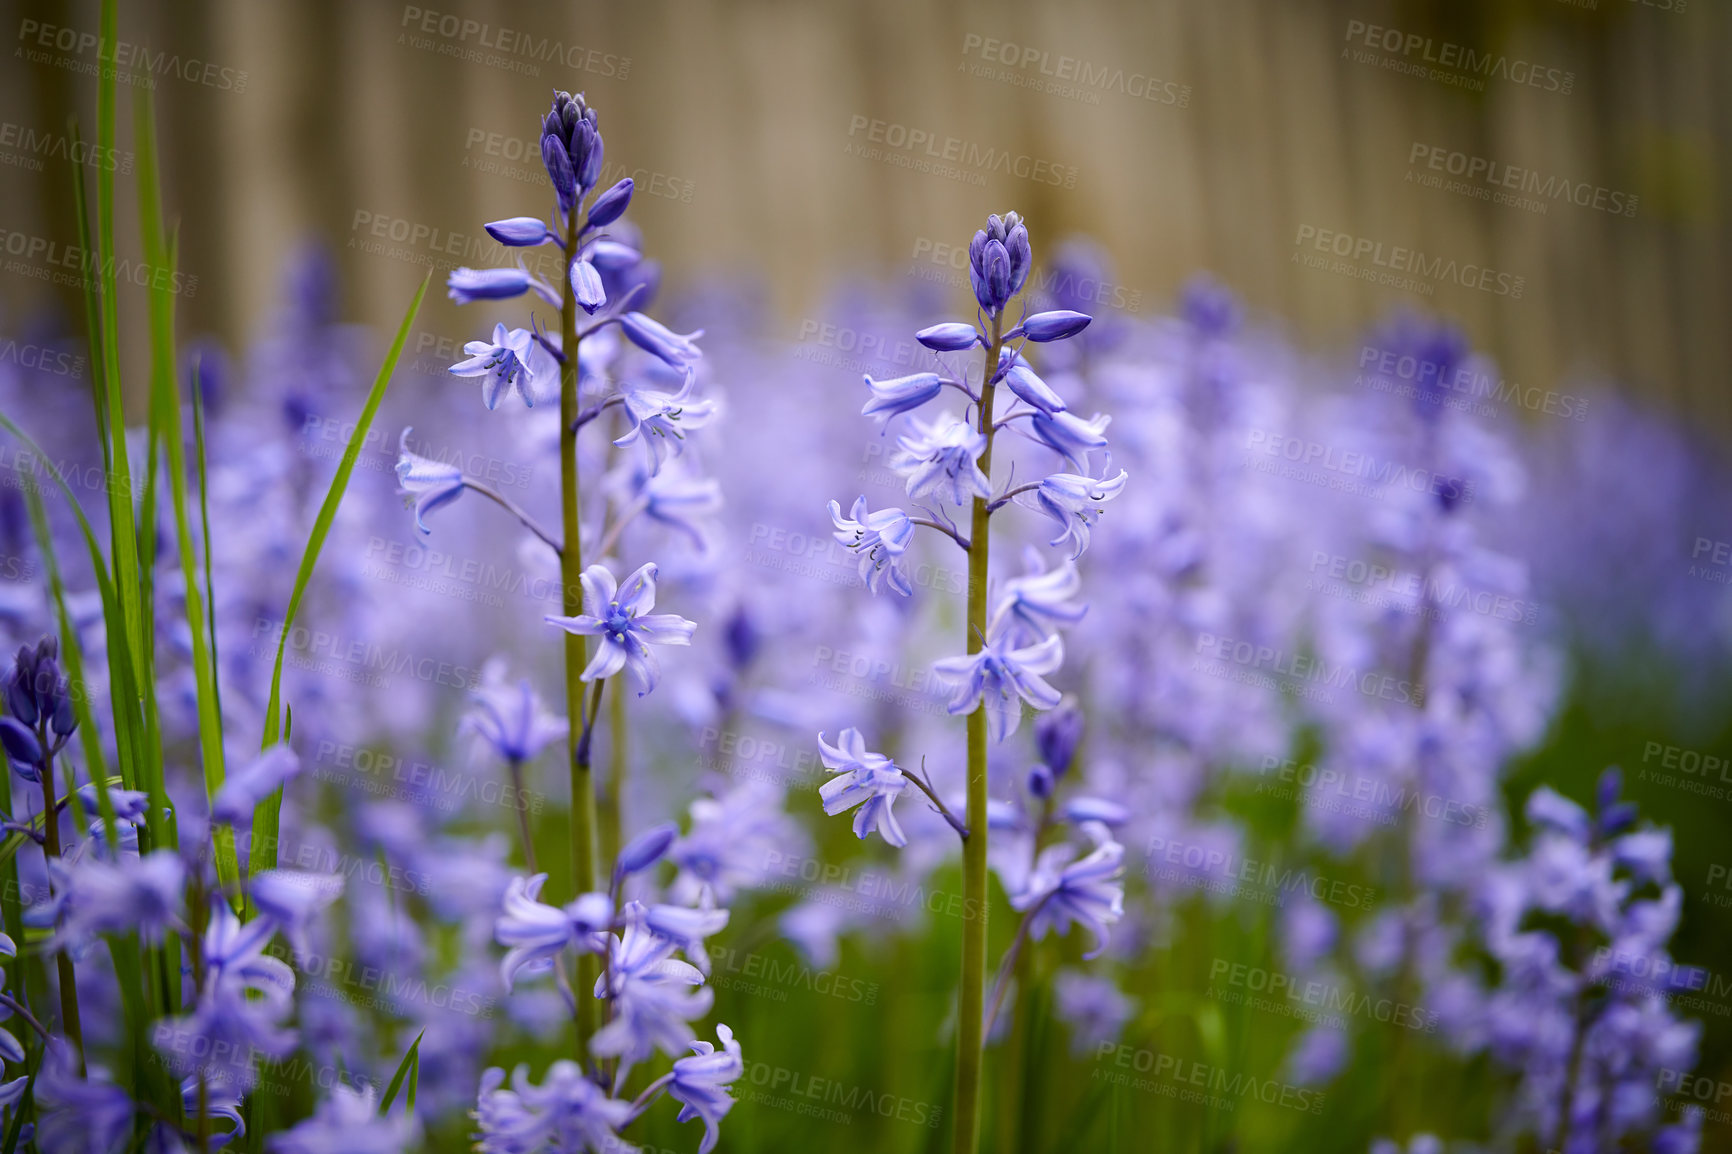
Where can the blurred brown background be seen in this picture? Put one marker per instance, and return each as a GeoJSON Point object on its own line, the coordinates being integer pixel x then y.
{"type": "Point", "coordinates": [1235, 124]}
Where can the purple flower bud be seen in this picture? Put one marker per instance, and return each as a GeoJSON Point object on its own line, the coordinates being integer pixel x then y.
{"type": "Point", "coordinates": [20, 744]}
{"type": "Point", "coordinates": [486, 284]}
{"type": "Point", "coordinates": [20, 702]}
{"type": "Point", "coordinates": [1040, 782]}
{"type": "Point", "coordinates": [586, 150]}
{"type": "Point", "coordinates": [674, 349]}
{"type": "Point", "coordinates": [995, 276]}
{"type": "Point", "coordinates": [611, 205]}
{"type": "Point", "coordinates": [900, 395]}
{"type": "Point", "coordinates": [742, 639]}
{"type": "Point", "coordinates": [1057, 733]}
{"type": "Point", "coordinates": [586, 283]}
{"type": "Point", "coordinates": [1021, 256]}
{"type": "Point", "coordinates": [519, 231]}
{"type": "Point", "coordinates": [949, 337]}
{"type": "Point", "coordinates": [63, 721]}
{"type": "Point", "coordinates": [1056, 325]}
{"type": "Point", "coordinates": [558, 166]}
{"type": "Point", "coordinates": [1610, 785]}
{"type": "Point", "coordinates": [646, 849]}
{"type": "Point", "coordinates": [1025, 384]}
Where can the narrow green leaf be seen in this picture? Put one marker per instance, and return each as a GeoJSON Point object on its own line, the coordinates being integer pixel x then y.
{"type": "Point", "coordinates": [409, 1068]}
{"type": "Point", "coordinates": [264, 839]}
{"type": "Point", "coordinates": [92, 304]}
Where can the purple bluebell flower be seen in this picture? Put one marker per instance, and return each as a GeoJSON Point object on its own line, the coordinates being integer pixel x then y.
{"type": "Point", "coordinates": [1033, 607]}
{"type": "Point", "coordinates": [943, 458]}
{"type": "Point", "coordinates": [292, 899]}
{"type": "Point", "coordinates": [673, 349]}
{"type": "Point", "coordinates": [646, 849]}
{"type": "Point", "coordinates": [1056, 325]}
{"type": "Point", "coordinates": [571, 147]}
{"type": "Point", "coordinates": [466, 285]}
{"type": "Point", "coordinates": [1061, 891]}
{"type": "Point", "coordinates": [22, 748]}
{"type": "Point", "coordinates": [534, 933]}
{"type": "Point", "coordinates": [35, 689]}
{"type": "Point", "coordinates": [510, 718]}
{"type": "Point", "coordinates": [700, 1083]}
{"type": "Point", "coordinates": [1095, 1008]}
{"type": "Point", "coordinates": [1003, 678]}
{"type": "Point", "coordinates": [879, 541]}
{"type": "Point", "coordinates": [567, 1114]}
{"type": "Point", "coordinates": [432, 484]}
{"type": "Point", "coordinates": [660, 419]}
{"type": "Point", "coordinates": [621, 618]}
{"type": "Point", "coordinates": [513, 362]}
{"type": "Point", "coordinates": [587, 287]}
{"type": "Point", "coordinates": [999, 258]}
{"type": "Point", "coordinates": [1057, 733]}
{"type": "Point", "coordinates": [730, 840]}
{"type": "Point", "coordinates": [901, 395]}
{"type": "Point", "coordinates": [79, 1112]}
{"type": "Point", "coordinates": [1069, 435]}
{"type": "Point", "coordinates": [673, 498]}
{"type": "Point", "coordinates": [1019, 376]}
{"type": "Point", "coordinates": [1074, 500]}
{"type": "Point", "coordinates": [245, 788]}
{"type": "Point", "coordinates": [349, 1122]}
{"type": "Point", "coordinates": [143, 896]}
{"type": "Point", "coordinates": [865, 779]}
{"type": "Point", "coordinates": [519, 231]}
{"type": "Point", "coordinates": [611, 205]}
{"type": "Point", "coordinates": [655, 996]}
{"type": "Point", "coordinates": [685, 926]}
{"type": "Point", "coordinates": [950, 337]}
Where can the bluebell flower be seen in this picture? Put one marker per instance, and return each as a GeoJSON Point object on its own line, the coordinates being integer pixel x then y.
{"type": "Point", "coordinates": [950, 337]}
{"type": "Point", "coordinates": [700, 1083]}
{"type": "Point", "coordinates": [660, 419]}
{"type": "Point", "coordinates": [900, 395]}
{"type": "Point", "coordinates": [729, 840]}
{"type": "Point", "coordinates": [865, 779]}
{"type": "Point", "coordinates": [291, 899]}
{"type": "Point", "coordinates": [1019, 376]}
{"type": "Point", "coordinates": [571, 147]}
{"type": "Point", "coordinates": [222, 1103]}
{"type": "Point", "coordinates": [519, 231]}
{"type": "Point", "coordinates": [22, 748]}
{"type": "Point", "coordinates": [1061, 891]}
{"type": "Point", "coordinates": [611, 205]}
{"type": "Point", "coordinates": [676, 350]}
{"type": "Point", "coordinates": [678, 501]}
{"type": "Point", "coordinates": [566, 1114]}
{"type": "Point", "coordinates": [1057, 733]}
{"type": "Point", "coordinates": [79, 1112]}
{"type": "Point", "coordinates": [130, 805]}
{"type": "Point", "coordinates": [1069, 435]}
{"type": "Point", "coordinates": [1056, 325]}
{"type": "Point", "coordinates": [1003, 678]}
{"type": "Point", "coordinates": [646, 849]}
{"type": "Point", "coordinates": [238, 1017]}
{"type": "Point", "coordinates": [143, 896]}
{"type": "Point", "coordinates": [1032, 607]}
{"type": "Point", "coordinates": [586, 286]}
{"type": "Point", "coordinates": [534, 933]}
{"type": "Point", "coordinates": [349, 1122]}
{"type": "Point", "coordinates": [1095, 1008]}
{"type": "Point", "coordinates": [35, 689]}
{"type": "Point", "coordinates": [245, 788]}
{"type": "Point", "coordinates": [879, 541]}
{"type": "Point", "coordinates": [465, 285]}
{"type": "Point", "coordinates": [999, 258]}
{"type": "Point", "coordinates": [510, 718]}
{"type": "Point", "coordinates": [684, 926]}
{"type": "Point", "coordinates": [514, 362]}
{"type": "Point", "coordinates": [621, 618]}
{"type": "Point", "coordinates": [655, 996]}
{"type": "Point", "coordinates": [432, 484]}
{"type": "Point", "coordinates": [1073, 500]}
{"type": "Point", "coordinates": [942, 458]}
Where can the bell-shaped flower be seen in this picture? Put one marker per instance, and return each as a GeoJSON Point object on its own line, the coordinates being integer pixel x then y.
{"type": "Point", "coordinates": [144, 896]}
{"type": "Point", "coordinates": [1069, 435]}
{"type": "Point", "coordinates": [519, 231]}
{"type": "Point", "coordinates": [621, 618]}
{"type": "Point", "coordinates": [865, 779]}
{"type": "Point", "coordinates": [534, 933]}
{"type": "Point", "coordinates": [660, 419]}
{"type": "Point", "coordinates": [611, 205]}
{"type": "Point", "coordinates": [654, 996]}
{"type": "Point", "coordinates": [646, 849]}
{"type": "Point", "coordinates": [513, 362]}
{"type": "Point", "coordinates": [687, 927]}
{"type": "Point", "coordinates": [496, 284]}
{"type": "Point", "coordinates": [1034, 606]}
{"type": "Point", "coordinates": [243, 790]}
{"type": "Point", "coordinates": [949, 337]}
{"type": "Point", "coordinates": [900, 395]}
{"type": "Point", "coordinates": [1019, 376]}
{"type": "Point", "coordinates": [292, 899]}
{"type": "Point", "coordinates": [349, 1121]}
{"type": "Point", "coordinates": [700, 1083]}
{"type": "Point", "coordinates": [1057, 325]}
{"type": "Point", "coordinates": [1061, 891]}
{"type": "Point", "coordinates": [879, 541]}
{"type": "Point", "coordinates": [1000, 678]}
{"type": "Point", "coordinates": [943, 458]}
{"type": "Point", "coordinates": [673, 349]}
{"type": "Point", "coordinates": [567, 1112]}
{"type": "Point", "coordinates": [679, 501]}
{"type": "Point", "coordinates": [1074, 501]}
{"type": "Point", "coordinates": [586, 286]}
{"type": "Point", "coordinates": [431, 484]}
{"type": "Point", "coordinates": [510, 718]}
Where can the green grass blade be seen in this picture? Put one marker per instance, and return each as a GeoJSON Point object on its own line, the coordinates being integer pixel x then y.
{"type": "Point", "coordinates": [264, 835]}
{"type": "Point", "coordinates": [92, 305]}
{"type": "Point", "coordinates": [409, 1068]}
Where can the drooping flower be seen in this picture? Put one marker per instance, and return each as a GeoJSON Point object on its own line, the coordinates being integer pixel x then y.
{"type": "Point", "coordinates": [1069, 435]}
{"type": "Point", "coordinates": [1061, 891]}
{"type": "Point", "coordinates": [1074, 501]}
{"type": "Point", "coordinates": [514, 361]}
{"type": "Point", "coordinates": [700, 1083]}
{"type": "Point", "coordinates": [510, 718]}
{"type": "Point", "coordinates": [243, 790]}
{"type": "Point", "coordinates": [942, 458]}
{"type": "Point", "coordinates": [348, 1122]}
{"type": "Point", "coordinates": [660, 419]}
{"type": "Point", "coordinates": [900, 395]}
{"type": "Point", "coordinates": [879, 540]}
{"type": "Point", "coordinates": [496, 284]}
{"type": "Point", "coordinates": [676, 350]}
{"type": "Point", "coordinates": [621, 618]}
{"type": "Point", "coordinates": [80, 1112]}
{"type": "Point", "coordinates": [567, 1113]}
{"type": "Point", "coordinates": [142, 896]}
{"type": "Point", "coordinates": [1003, 678]}
{"type": "Point", "coordinates": [1032, 607]}
{"type": "Point", "coordinates": [949, 337]}
{"type": "Point", "coordinates": [291, 899]}
{"type": "Point", "coordinates": [654, 996]}
{"type": "Point", "coordinates": [534, 933]}
{"type": "Point", "coordinates": [432, 484]}
{"type": "Point", "coordinates": [678, 501]}
{"type": "Point", "coordinates": [519, 231]}
{"type": "Point", "coordinates": [865, 779]}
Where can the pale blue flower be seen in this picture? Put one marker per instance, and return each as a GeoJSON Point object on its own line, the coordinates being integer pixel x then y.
{"type": "Point", "coordinates": [1061, 891]}
{"type": "Point", "coordinates": [586, 286]}
{"type": "Point", "coordinates": [519, 231]}
{"type": "Point", "coordinates": [655, 996]}
{"type": "Point", "coordinates": [1032, 607]}
{"type": "Point", "coordinates": [621, 618]}
{"type": "Point", "coordinates": [79, 1113]}
{"type": "Point", "coordinates": [674, 349]}
{"type": "Point", "coordinates": [1069, 435]}
{"type": "Point", "coordinates": [243, 790]}
{"type": "Point", "coordinates": [534, 933]}
{"type": "Point", "coordinates": [515, 361]}
{"type": "Point", "coordinates": [144, 895]}
{"type": "Point", "coordinates": [1074, 500]}
{"type": "Point", "coordinates": [496, 284]}
{"type": "Point", "coordinates": [432, 484]}
{"type": "Point", "coordinates": [511, 717]}
{"type": "Point", "coordinates": [879, 541]}
{"type": "Point", "coordinates": [660, 419]}
{"type": "Point", "coordinates": [348, 1122]}
{"type": "Point", "coordinates": [700, 1083]}
{"type": "Point", "coordinates": [1057, 325]}
{"type": "Point", "coordinates": [1003, 678]}
{"type": "Point", "coordinates": [292, 899]}
{"type": "Point", "coordinates": [865, 779]}
{"type": "Point", "coordinates": [678, 501]}
{"type": "Point", "coordinates": [943, 458]}
{"type": "Point", "coordinates": [900, 395]}
{"type": "Point", "coordinates": [566, 1114]}
{"type": "Point", "coordinates": [950, 337]}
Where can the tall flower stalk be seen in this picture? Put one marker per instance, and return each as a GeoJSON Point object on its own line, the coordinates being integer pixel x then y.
{"type": "Point", "coordinates": [1007, 650]}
